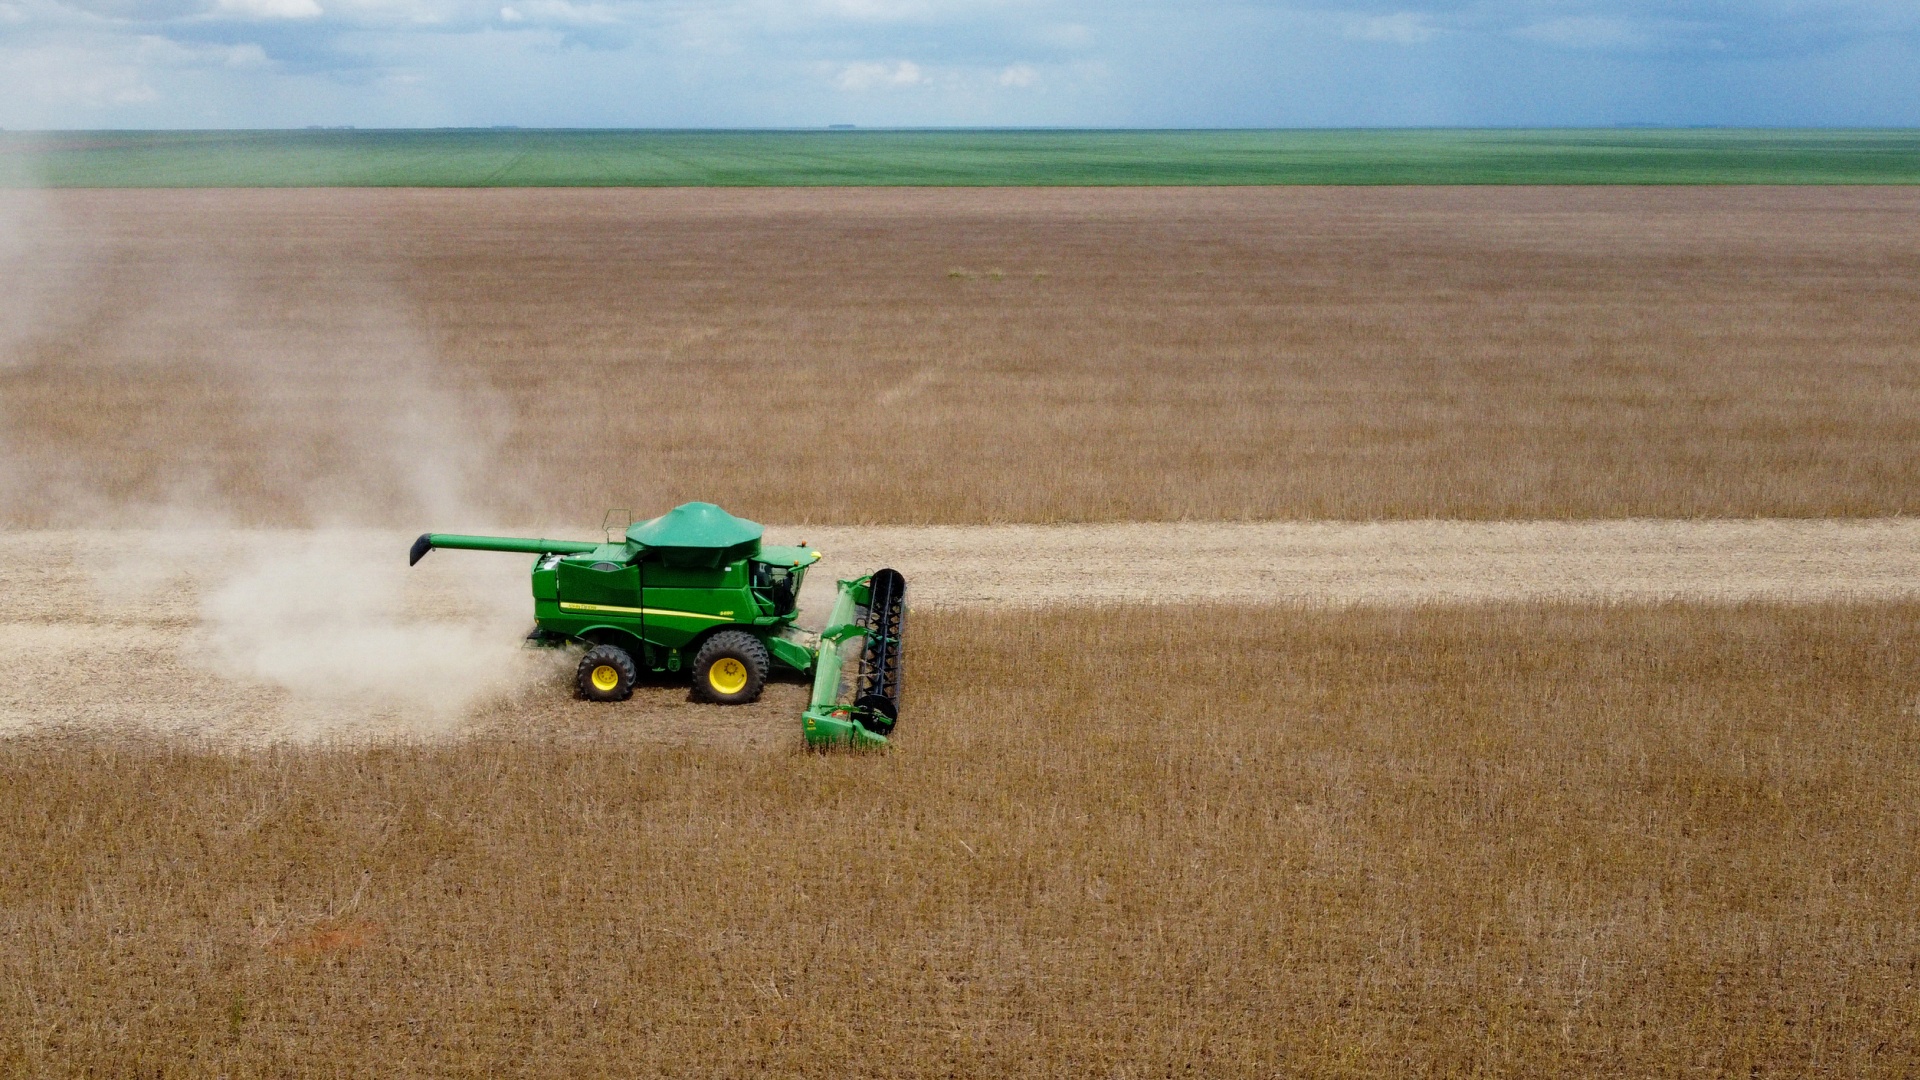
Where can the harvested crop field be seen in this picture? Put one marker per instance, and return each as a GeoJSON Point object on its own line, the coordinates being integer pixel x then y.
{"type": "Point", "coordinates": [963, 357]}
{"type": "Point", "coordinates": [1356, 632]}
{"type": "Point", "coordinates": [1504, 840]}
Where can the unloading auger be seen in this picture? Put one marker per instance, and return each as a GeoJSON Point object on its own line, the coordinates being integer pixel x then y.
{"type": "Point", "coordinates": [695, 591]}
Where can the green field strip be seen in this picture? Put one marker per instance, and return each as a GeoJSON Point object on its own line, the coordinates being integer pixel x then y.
{"type": "Point", "coordinates": [582, 158]}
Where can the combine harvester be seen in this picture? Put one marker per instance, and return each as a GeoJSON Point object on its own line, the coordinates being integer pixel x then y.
{"type": "Point", "coordinates": [694, 590]}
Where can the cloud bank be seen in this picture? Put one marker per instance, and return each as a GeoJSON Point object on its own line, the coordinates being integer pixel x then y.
{"type": "Point", "coordinates": [804, 63]}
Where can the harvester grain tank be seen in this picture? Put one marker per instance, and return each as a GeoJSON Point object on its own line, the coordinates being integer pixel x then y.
{"type": "Point", "coordinates": [695, 591]}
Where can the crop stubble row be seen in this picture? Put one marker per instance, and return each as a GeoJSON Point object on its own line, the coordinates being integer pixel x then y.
{"type": "Point", "coordinates": [930, 356]}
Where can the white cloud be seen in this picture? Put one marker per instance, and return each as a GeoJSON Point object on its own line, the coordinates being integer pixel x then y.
{"type": "Point", "coordinates": [1019, 76]}
{"type": "Point", "coordinates": [876, 76]}
{"type": "Point", "coordinates": [560, 13]}
{"type": "Point", "coordinates": [78, 78]}
{"type": "Point", "coordinates": [75, 78]}
{"type": "Point", "coordinates": [1064, 35]}
{"type": "Point", "coordinates": [1402, 28]}
{"type": "Point", "coordinates": [912, 11]}
{"type": "Point", "coordinates": [154, 51]}
{"type": "Point", "coordinates": [976, 62]}
{"type": "Point", "coordinates": [1587, 32]}
{"type": "Point", "coordinates": [875, 10]}
{"type": "Point", "coordinates": [247, 56]}
{"type": "Point", "coordinates": [426, 13]}
{"type": "Point", "coordinates": [271, 9]}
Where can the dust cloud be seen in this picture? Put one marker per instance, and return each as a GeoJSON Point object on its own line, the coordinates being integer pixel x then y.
{"type": "Point", "coordinates": [327, 408]}
{"type": "Point", "coordinates": [326, 615]}
{"type": "Point", "coordinates": [24, 288]}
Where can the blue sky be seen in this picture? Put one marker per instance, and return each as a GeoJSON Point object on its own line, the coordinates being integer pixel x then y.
{"type": "Point", "coordinates": [803, 63]}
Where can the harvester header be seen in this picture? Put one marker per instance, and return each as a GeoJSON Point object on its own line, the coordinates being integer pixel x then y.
{"type": "Point", "coordinates": [694, 590]}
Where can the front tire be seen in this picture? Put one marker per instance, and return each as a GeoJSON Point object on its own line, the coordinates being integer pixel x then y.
{"type": "Point", "coordinates": [731, 668]}
{"type": "Point", "coordinates": [606, 673]}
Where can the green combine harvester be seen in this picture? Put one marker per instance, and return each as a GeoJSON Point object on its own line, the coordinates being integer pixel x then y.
{"type": "Point", "coordinates": [695, 591]}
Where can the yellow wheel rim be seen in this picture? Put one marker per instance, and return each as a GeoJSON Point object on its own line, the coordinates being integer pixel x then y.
{"type": "Point", "coordinates": [605, 678]}
{"type": "Point", "coordinates": [727, 675]}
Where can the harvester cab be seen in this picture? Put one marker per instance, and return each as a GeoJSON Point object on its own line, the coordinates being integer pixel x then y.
{"type": "Point", "coordinates": [694, 591]}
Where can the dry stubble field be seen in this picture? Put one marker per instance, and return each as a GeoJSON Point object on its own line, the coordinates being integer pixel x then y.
{"type": "Point", "coordinates": [916, 356]}
{"type": "Point", "coordinates": [1500, 841]}
{"type": "Point", "coordinates": [1487, 838]}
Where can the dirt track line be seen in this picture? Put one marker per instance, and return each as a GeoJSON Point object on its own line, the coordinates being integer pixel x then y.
{"type": "Point", "coordinates": [333, 636]}
{"type": "Point", "coordinates": [1406, 562]}
{"type": "Point", "coordinates": [46, 574]}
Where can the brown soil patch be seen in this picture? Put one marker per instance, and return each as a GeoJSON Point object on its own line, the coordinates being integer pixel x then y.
{"type": "Point", "coordinates": [329, 938]}
{"type": "Point", "coordinates": [927, 356]}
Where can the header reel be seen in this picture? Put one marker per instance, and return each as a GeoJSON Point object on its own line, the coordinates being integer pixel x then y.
{"type": "Point", "coordinates": [857, 675]}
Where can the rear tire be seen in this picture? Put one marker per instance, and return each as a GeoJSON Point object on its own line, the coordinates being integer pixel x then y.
{"type": "Point", "coordinates": [606, 673]}
{"type": "Point", "coordinates": [731, 668]}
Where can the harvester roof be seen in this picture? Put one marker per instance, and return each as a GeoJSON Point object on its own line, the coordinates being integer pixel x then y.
{"type": "Point", "coordinates": [697, 534]}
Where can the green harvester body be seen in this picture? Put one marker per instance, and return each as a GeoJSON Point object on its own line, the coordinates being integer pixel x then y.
{"type": "Point", "coordinates": [670, 586]}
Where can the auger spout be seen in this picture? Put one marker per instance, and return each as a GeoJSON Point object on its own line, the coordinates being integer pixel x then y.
{"type": "Point", "coordinates": [429, 541]}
